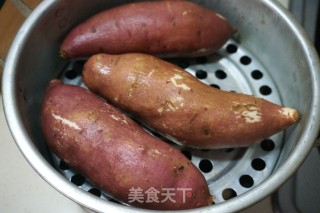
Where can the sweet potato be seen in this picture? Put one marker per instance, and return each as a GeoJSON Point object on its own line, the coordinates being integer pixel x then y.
{"type": "Point", "coordinates": [175, 103]}
{"type": "Point", "coordinates": [169, 28]}
{"type": "Point", "coordinates": [116, 154]}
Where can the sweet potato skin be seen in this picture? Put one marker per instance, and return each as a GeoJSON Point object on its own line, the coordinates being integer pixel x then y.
{"type": "Point", "coordinates": [166, 28]}
{"type": "Point", "coordinates": [113, 152]}
{"type": "Point", "coordinates": [173, 102]}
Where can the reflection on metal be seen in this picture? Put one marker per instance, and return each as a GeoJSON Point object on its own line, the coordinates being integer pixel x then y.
{"type": "Point", "coordinates": [301, 192]}
{"type": "Point", "coordinates": [306, 12]}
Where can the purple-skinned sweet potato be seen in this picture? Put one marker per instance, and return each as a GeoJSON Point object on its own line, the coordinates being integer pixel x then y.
{"type": "Point", "coordinates": [116, 154]}
{"type": "Point", "coordinates": [166, 28]}
{"type": "Point", "coordinates": [173, 102]}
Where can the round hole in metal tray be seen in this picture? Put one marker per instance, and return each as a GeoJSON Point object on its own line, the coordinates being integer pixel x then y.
{"type": "Point", "coordinates": [215, 86]}
{"type": "Point", "coordinates": [267, 145]}
{"type": "Point", "coordinates": [258, 164]}
{"type": "Point", "coordinates": [114, 201]}
{"type": "Point", "coordinates": [95, 191]}
{"type": "Point", "coordinates": [245, 60]}
{"type": "Point", "coordinates": [78, 179]}
{"type": "Point", "coordinates": [256, 74]}
{"type": "Point", "coordinates": [220, 74]}
{"type": "Point", "coordinates": [205, 166]}
{"type": "Point", "coordinates": [265, 90]}
{"type": "Point", "coordinates": [246, 181]}
{"type": "Point", "coordinates": [231, 48]}
{"type": "Point", "coordinates": [201, 74]}
{"type": "Point", "coordinates": [228, 165]}
{"type": "Point", "coordinates": [63, 166]}
{"type": "Point", "coordinates": [71, 74]}
{"type": "Point", "coordinates": [229, 193]}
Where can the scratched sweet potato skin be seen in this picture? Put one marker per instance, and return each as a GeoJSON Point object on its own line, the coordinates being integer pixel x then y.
{"type": "Point", "coordinates": [114, 153]}
{"type": "Point", "coordinates": [166, 28]}
{"type": "Point", "coordinates": [170, 100]}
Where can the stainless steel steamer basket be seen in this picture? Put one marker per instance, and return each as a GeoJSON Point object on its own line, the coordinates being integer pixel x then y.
{"type": "Point", "coordinates": [270, 56]}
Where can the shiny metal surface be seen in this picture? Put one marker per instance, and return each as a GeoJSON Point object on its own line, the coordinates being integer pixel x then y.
{"type": "Point", "coordinates": [229, 172]}
{"type": "Point", "coordinates": [265, 30]}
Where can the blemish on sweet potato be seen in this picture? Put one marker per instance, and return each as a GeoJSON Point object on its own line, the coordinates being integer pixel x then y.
{"type": "Point", "coordinates": [177, 77]}
{"type": "Point", "coordinates": [243, 106]}
{"type": "Point", "coordinates": [150, 73]}
{"type": "Point", "coordinates": [115, 60]}
{"type": "Point", "coordinates": [141, 149]}
{"type": "Point", "coordinates": [178, 169]}
{"type": "Point", "coordinates": [186, 12]}
{"type": "Point", "coordinates": [92, 117]}
{"type": "Point", "coordinates": [129, 33]}
{"type": "Point", "coordinates": [134, 85]}
{"type": "Point", "coordinates": [169, 7]}
{"type": "Point", "coordinates": [207, 131]}
{"type": "Point", "coordinates": [173, 21]}
{"type": "Point", "coordinates": [199, 33]}
{"type": "Point", "coordinates": [221, 16]}
{"type": "Point", "coordinates": [115, 117]}
{"type": "Point", "coordinates": [290, 113]}
{"type": "Point", "coordinates": [248, 111]}
{"type": "Point", "coordinates": [66, 122]}
{"type": "Point", "coordinates": [93, 29]}
{"type": "Point", "coordinates": [170, 106]}
{"type": "Point", "coordinates": [160, 110]}
{"type": "Point", "coordinates": [63, 54]}
{"type": "Point", "coordinates": [193, 118]}
{"type": "Point", "coordinates": [252, 116]}
{"type": "Point", "coordinates": [155, 153]}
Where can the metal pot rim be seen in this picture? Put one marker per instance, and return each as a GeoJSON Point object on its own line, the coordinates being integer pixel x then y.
{"type": "Point", "coordinates": [46, 171]}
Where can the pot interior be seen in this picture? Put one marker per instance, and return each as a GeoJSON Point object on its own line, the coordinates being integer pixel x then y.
{"type": "Point", "coordinates": [269, 57]}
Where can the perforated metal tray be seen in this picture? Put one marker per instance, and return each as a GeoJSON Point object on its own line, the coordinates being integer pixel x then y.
{"type": "Point", "coordinates": [229, 172]}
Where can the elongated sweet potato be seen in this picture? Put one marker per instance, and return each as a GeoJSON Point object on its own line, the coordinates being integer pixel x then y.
{"type": "Point", "coordinates": [116, 154]}
{"type": "Point", "coordinates": [169, 28]}
{"type": "Point", "coordinates": [172, 101]}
